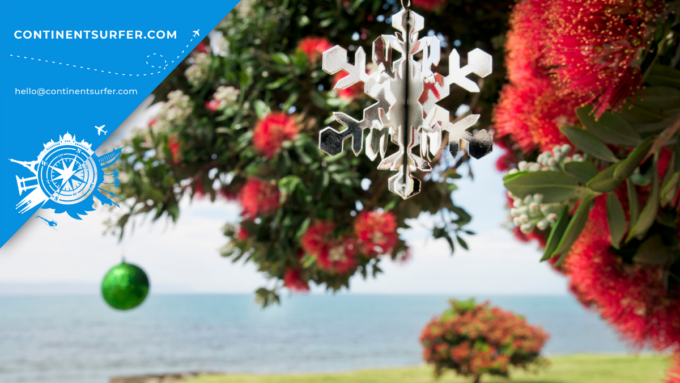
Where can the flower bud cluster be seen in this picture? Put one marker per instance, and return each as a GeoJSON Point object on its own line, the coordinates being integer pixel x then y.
{"type": "Point", "coordinates": [549, 160]}
{"type": "Point", "coordinates": [529, 213]}
{"type": "Point", "coordinates": [174, 112]}
{"type": "Point", "coordinates": [198, 71]}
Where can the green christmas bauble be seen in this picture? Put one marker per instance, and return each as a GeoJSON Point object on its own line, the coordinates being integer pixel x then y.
{"type": "Point", "coordinates": [125, 286]}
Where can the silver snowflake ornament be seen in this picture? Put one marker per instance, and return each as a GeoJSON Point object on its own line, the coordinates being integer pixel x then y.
{"type": "Point", "coordinates": [406, 112]}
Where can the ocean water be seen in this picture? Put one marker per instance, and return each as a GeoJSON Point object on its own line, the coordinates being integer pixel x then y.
{"type": "Point", "coordinates": [78, 339]}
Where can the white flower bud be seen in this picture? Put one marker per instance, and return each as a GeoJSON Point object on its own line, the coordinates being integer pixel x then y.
{"type": "Point", "coordinates": [542, 225]}
{"type": "Point", "coordinates": [538, 197]}
{"type": "Point", "coordinates": [522, 166]}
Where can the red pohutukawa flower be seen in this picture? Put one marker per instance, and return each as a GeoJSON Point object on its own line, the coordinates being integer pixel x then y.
{"type": "Point", "coordinates": [352, 91]}
{"type": "Point", "coordinates": [338, 256]}
{"type": "Point", "coordinates": [258, 197]}
{"type": "Point", "coordinates": [292, 280]}
{"type": "Point", "coordinates": [174, 145]}
{"type": "Point", "coordinates": [631, 297]}
{"type": "Point", "coordinates": [331, 254]}
{"type": "Point", "coordinates": [377, 232]}
{"type": "Point", "coordinates": [272, 131]}
{"type": "Point", "coordinates": [212, 105]}
{"type": "Point", "coordinates": [314, 47]}
{"type": "Point", "coordinates": [429, 5]}
{"type": "Point", "coordinates": [526, 40]}
{"type": "Point", "coordinates": [595, 47]}
{"type": "Point", "coordinates": [242, 234]}
{"type": "Point", "coordinates": [317, 235]}
{"type": "Point", "coordinates": [530, 110]}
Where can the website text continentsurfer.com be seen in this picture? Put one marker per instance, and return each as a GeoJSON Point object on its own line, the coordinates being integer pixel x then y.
{"type": "Point", "coordinates": [73, 92]}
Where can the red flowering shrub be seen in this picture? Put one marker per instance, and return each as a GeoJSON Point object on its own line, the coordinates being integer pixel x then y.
{"type": "Point", "coordinates": [476, 339]}
{"type": "Point", "coordinates": [376, 231]}
{"type": "Point", "coordinates": [272, 131]}
{"type": "Point", "coordinates": [259, 197]}
{"type": "Point", "coordinates": [314, 47]}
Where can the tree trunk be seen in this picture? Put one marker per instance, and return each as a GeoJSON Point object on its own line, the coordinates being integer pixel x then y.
{"type": "Point", "coordinates": [478, 378]}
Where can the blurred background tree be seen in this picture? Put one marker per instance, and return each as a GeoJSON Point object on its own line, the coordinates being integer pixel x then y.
{"type": "Point", "coordinates": [473, 339]}
{"type": "Point", "coordinates": [240, 121]}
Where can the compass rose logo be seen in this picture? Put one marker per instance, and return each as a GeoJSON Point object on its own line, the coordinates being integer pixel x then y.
{"type": "Point", "coordinates": [67, 176]}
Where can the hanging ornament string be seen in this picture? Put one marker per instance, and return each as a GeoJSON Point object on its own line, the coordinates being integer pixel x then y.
{"type": "Point", "coordinates": [406, 111]}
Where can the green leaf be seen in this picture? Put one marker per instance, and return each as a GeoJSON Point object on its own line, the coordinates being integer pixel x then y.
{"type": "Point", "coordinates": [556, 233]}
{"type": "Point", "coordinates": [554, 186]}
{"type": "Point", "coordinates": [670, 180]}
{"type": "Point", "coordinates": [639, 114]}
{"type": "Point", "coordinates": [303, 228]}
{"type": "Point", "coordinates": [462, 243]}
{"type": "Point", "coordinates": [610, 128]}
{"type": "Point", "coordinates": [287, 185]}
{"type": "Point", "coordinates": [669, 191]}
{"type": "Point", "coordinates": [633, 201]}
{"type": "Point", "coordinates": [277, 84]}
{"type": "Point", "coordinates": [660, 97]}
{"type": "Point", "coordinates": [617, 219]}
{"type": "Point", "coordinates": [290, 101]}
{"type": "Point", "coordinates": [261, 109]}
{"type": "Point", "coordinates": [628, 166]}
{"type": "Point", "coordinates": [575, 227]}
{"type": "Point", "coordinates": [280, 58]}
{"type": "Point", "coordinates": [583, 171]}
{"type": "Point", "coordinates": [648, 214]}
{"type": "Point", "coordinates": [654, 252]}
{"type": "Point", "coordinates": [604, 181]}
{"type": "Point", "coordinates": [588, 143]}
{"type": "Point", "coordinates": [653, 127]}
{"type": "Point", "coordinates": [661, 75]}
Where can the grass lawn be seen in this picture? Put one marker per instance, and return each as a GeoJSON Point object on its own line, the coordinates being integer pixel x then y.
{"type": "Point", "coordinates": [563, 369]}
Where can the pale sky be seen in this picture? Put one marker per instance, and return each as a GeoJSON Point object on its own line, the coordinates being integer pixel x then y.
{"type": "Point", "coordinates": [184, 257]}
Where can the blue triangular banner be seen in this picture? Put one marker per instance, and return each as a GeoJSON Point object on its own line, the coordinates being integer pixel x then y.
{"type": "Point", "coordinates": [70, 73]}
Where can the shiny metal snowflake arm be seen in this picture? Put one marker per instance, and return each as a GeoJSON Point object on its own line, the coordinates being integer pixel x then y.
{"type": "Point", "coordinates": [407, 93]}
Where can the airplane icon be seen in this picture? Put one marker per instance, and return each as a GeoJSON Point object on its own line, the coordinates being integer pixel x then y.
{"type": "Point", "coordinates": [196, 34]}
{"type": "Point", "coordinates": [100, 129]}
{"type": "Point", "coordinates": [51, 224]}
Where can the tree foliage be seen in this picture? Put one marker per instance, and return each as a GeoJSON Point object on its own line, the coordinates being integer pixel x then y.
{"type": "Point", "coordinates": [241, 121]}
